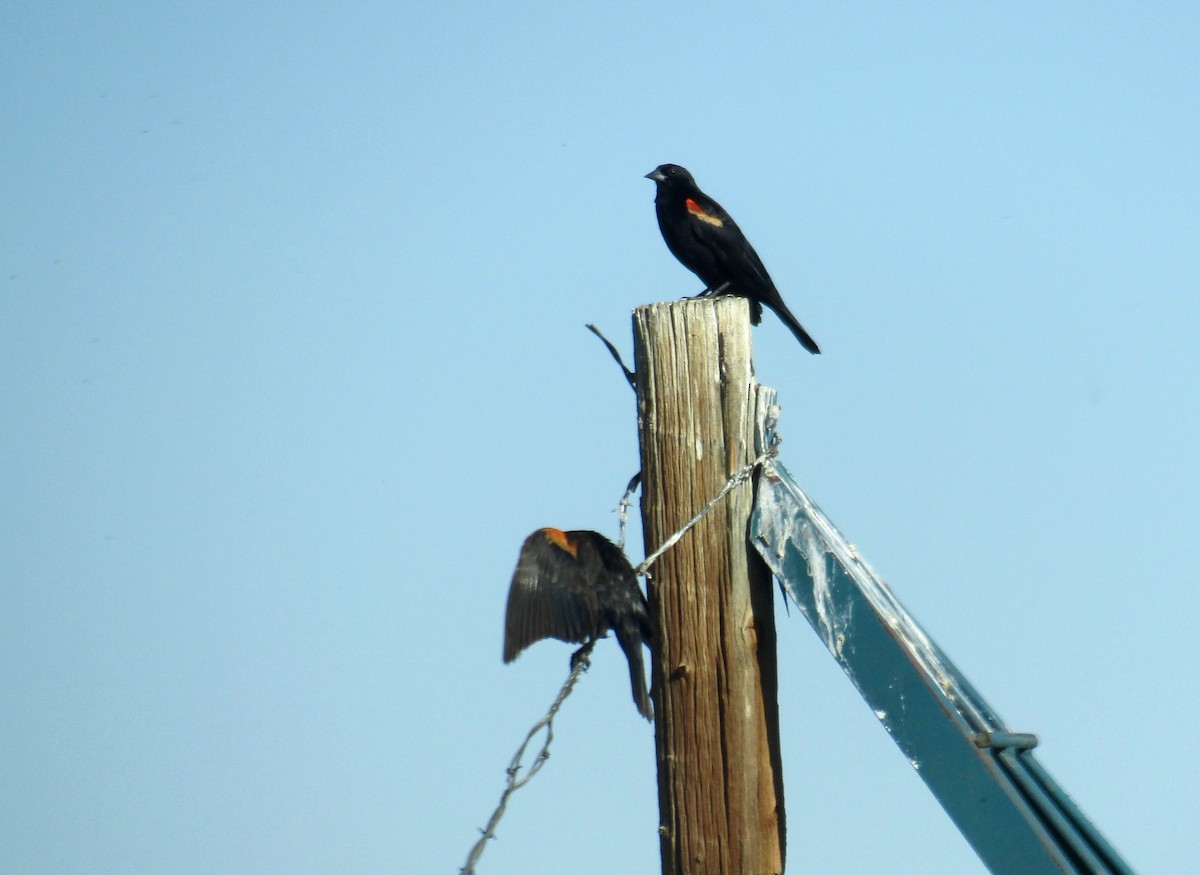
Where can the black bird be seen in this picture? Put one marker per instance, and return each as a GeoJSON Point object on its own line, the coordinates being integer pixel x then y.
{"type": "Point", "coordinates": [709, 243]}
{"type": "Point", "coordinates": [575, 586]}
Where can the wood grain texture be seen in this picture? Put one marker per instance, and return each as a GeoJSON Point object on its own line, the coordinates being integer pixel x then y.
{"type": "Point", "coordinates": [720, 788]}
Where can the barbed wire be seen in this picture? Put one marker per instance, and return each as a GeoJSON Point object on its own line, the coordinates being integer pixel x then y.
{"type": "Point", "coordinates": [739, 477]}
{"type": "Point", "coordinates": [579, 664]}
{"type": "Point", "coordinates": [582, 658]}
{"type": "Point", "coordinates": [623, 508]}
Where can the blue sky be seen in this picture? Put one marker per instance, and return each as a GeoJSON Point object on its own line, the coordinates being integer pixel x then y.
{"type": "Point", "coordinates": [292, 353]}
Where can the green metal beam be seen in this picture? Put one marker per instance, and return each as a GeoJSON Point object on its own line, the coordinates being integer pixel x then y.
{"type": "Point", "coordinates": [1013, 814]}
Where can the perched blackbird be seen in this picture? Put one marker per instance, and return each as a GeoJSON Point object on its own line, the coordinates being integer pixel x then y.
{"type": "Point", "coordinates": [575, 586]}
{"type": "Point", "coordinates": [709, 243]}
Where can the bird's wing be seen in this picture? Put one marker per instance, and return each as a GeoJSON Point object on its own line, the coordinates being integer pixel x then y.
{"type": "Point", "coordinates": [550, 597]}
{"type": "Point", "coordinates": [617, 584]}
{"type": "Point", "coordinates": [621, 599]}
{"type": "Point", "coordinates": [717, 230]}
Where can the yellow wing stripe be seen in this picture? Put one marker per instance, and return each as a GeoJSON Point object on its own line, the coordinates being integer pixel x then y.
{"type": "Point", "coordinates": [698, 211]}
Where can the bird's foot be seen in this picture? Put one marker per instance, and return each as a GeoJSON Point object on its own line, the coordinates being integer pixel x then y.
{"type": "Point", "coordinates": [583, 655]}
{"type": "Point", "coordinates": [722, 289]}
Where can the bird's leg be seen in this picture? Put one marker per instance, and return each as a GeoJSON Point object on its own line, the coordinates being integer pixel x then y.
{"type": "Point", "coordinates": [584, 653]}
{"type": "Point", "coordinates": [712, 293]}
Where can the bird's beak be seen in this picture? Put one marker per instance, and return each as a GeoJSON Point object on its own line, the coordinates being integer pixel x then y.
{"type": "Point", "coordinates": [656, 175]}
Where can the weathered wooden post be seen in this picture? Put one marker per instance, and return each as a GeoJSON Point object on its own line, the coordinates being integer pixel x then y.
{"type": "Point", "coordinates": [714, 671]}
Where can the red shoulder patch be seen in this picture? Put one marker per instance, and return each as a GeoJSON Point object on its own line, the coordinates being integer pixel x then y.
{"type": "Point", "coordinates": [560, 539]}
{"type": "Point", "coordinates": [703, 215]}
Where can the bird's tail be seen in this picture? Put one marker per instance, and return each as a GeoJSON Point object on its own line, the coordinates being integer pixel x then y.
{"type": "Point", "coordinates": [797, 329]}
{"type": "Point", "coordinates": [631, 642]}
